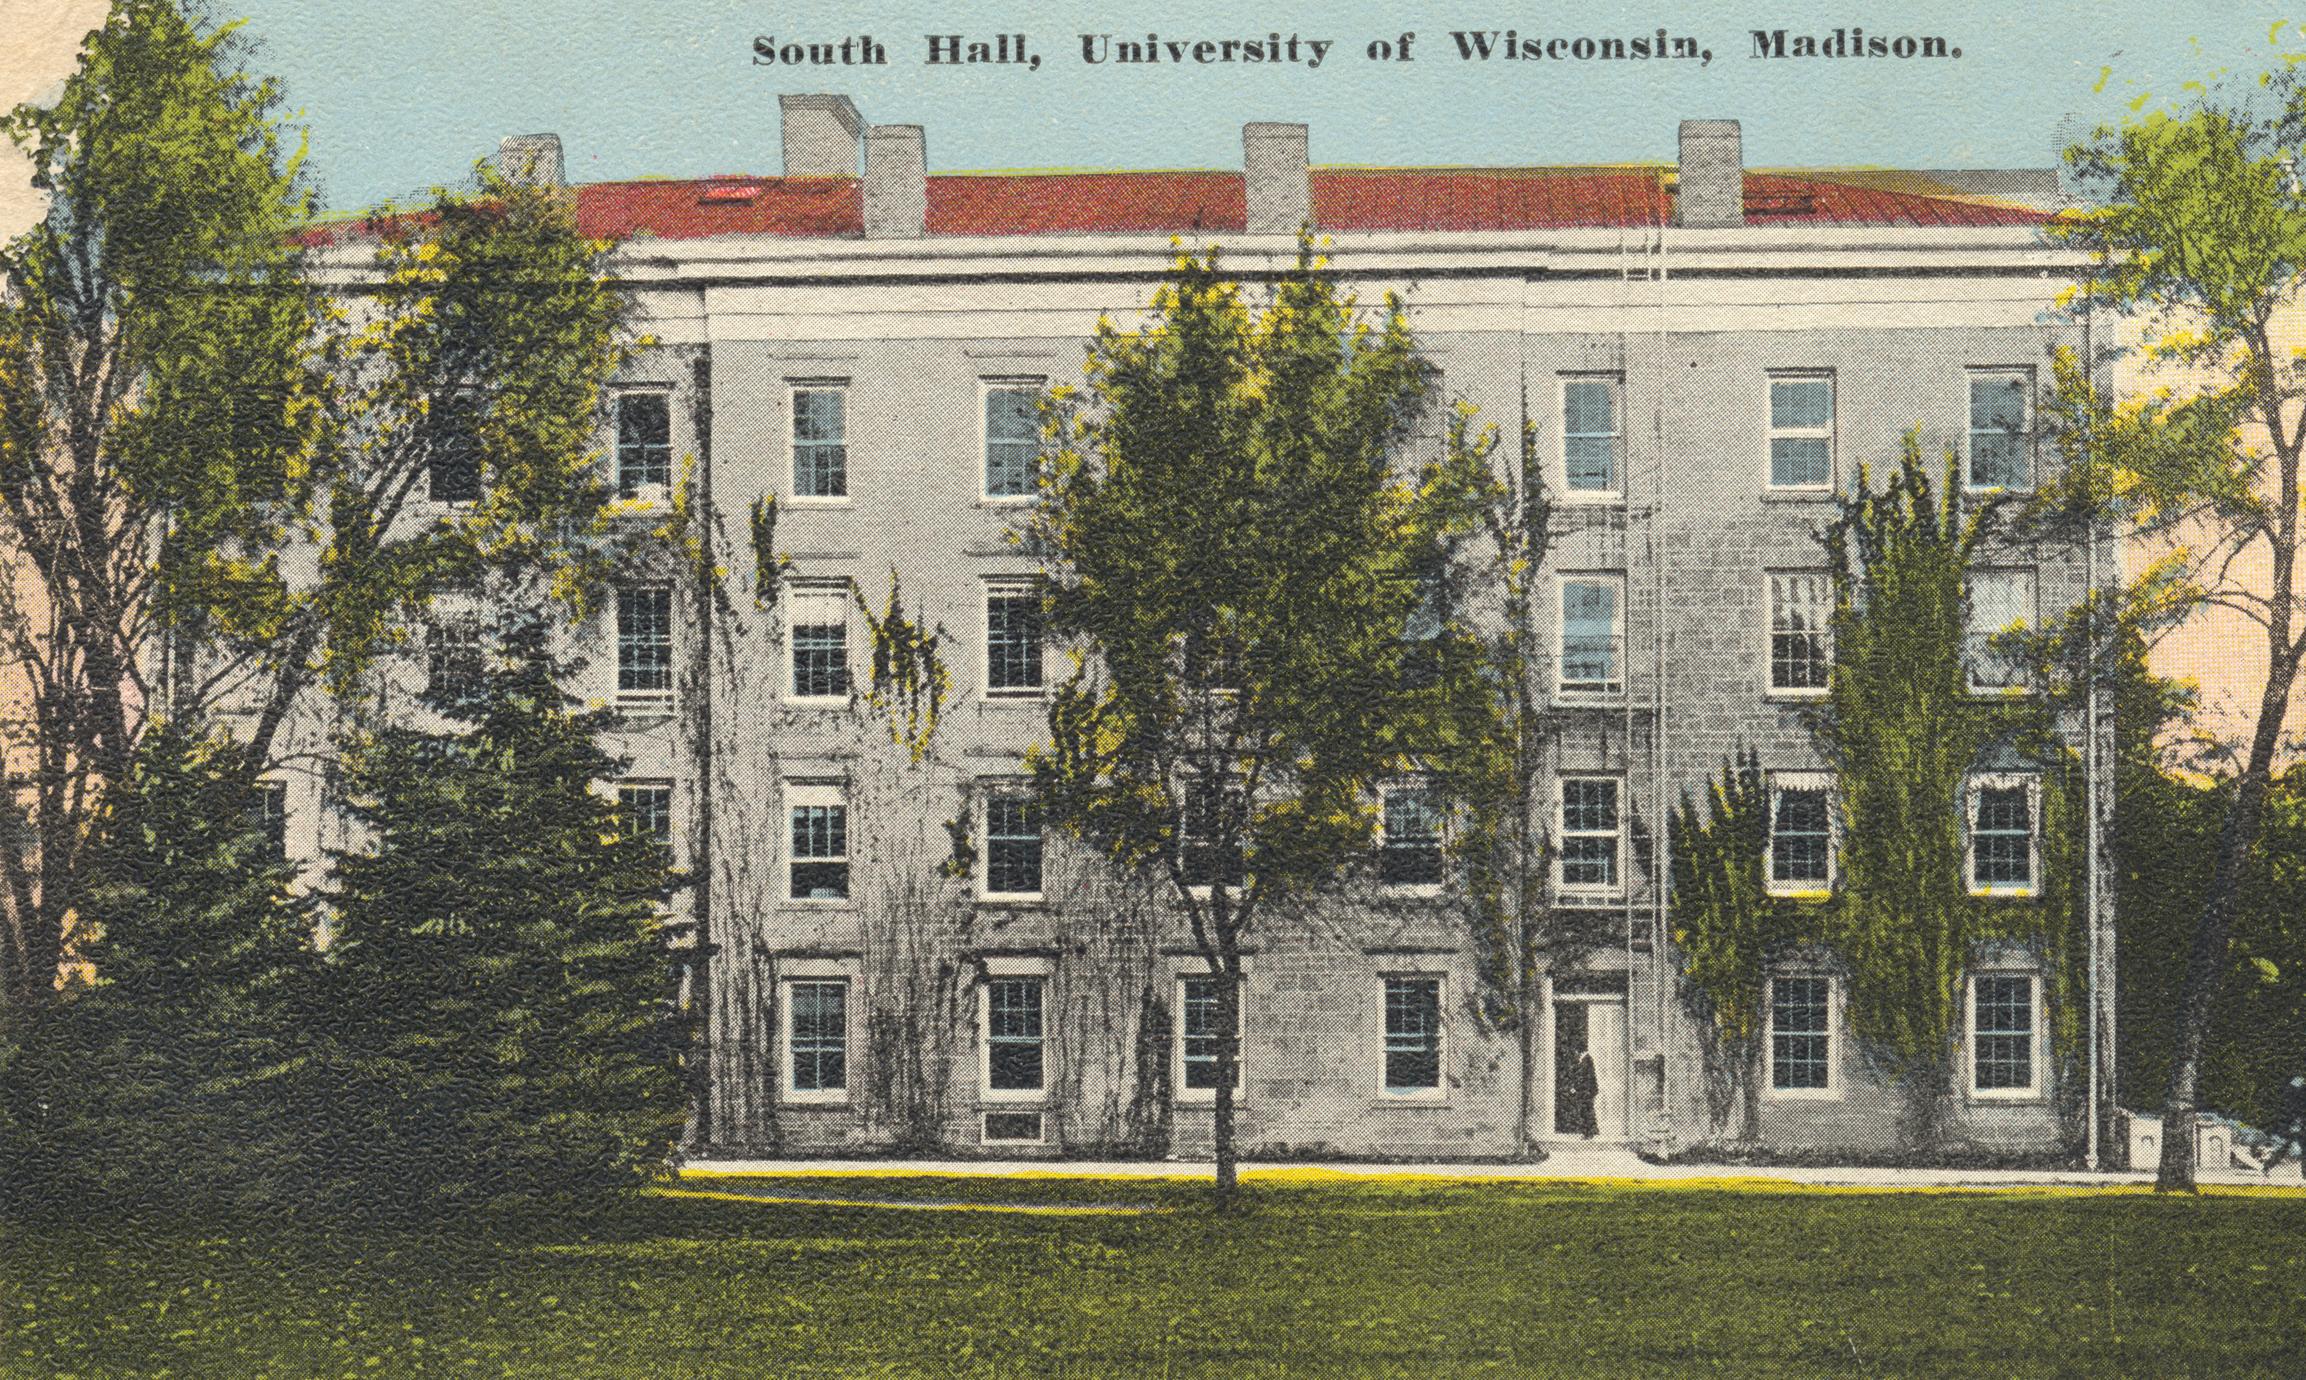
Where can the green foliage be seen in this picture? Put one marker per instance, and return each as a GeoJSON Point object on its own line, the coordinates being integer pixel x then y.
{"type": "Point", "coordinates": [181, 1079]}
{"type": "Point", "coordinates": [502, 1005]}
{"type": "Point", "coordinates": [909, 685]}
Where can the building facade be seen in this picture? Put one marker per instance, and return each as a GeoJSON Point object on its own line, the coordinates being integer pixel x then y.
{"type": "Point", "coordinates": [841, 367]}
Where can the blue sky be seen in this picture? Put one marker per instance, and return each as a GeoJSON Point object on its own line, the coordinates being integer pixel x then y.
{"type": "Point", "coordinates": [400, 94]}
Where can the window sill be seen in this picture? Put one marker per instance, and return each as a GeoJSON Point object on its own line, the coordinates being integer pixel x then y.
{"type": "Point", "coordinates": [1776, 696]}
{"type": "Point", "coordinates": [1017, 697]}
{"type": "Point", "coordinates": [1826, 1094]}
{"type": "Point", "coordinates": [814, 1102]}
{"type": "Point", "coordinates": [999, 901]}
{"type": "Point", "coordinates": [1413, 891]}
{"type": "Point", "coordinates": [818, 701]}
{"type": "Point", "coordinates": [816, 903]}
{"type": "Point", "coordinates": [1822, 493]}
{"type": "Point", "coordinates": [645, 709]}
{"type": "Point", "coordinates": [2004, 893]}
{"type": "Point", "coordinates": [797, 501]}
{"type": "Point", "coordinates": [1588, 899]}
{"type": "Point", "coordinates": [1012, 501]}
{"type": "Point", "coordinates": [1437, 1098]}
{"type": "Point", "coordinates": [1205, 1100]}
{"type": "Point", "coordinates": [1614, 498]}
{"type": "Point", "coordinates": [990, 1100]}
{"type": "Point", "coordinates": [1589, 699]}
{"type": "Point", "coordinates": [2005, 1096]}
{"type": "Point", "coordinates": [1806, 894]}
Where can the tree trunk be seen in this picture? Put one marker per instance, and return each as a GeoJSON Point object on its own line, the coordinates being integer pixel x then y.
{"type": "Point", "coordinates": [1228, 1065]}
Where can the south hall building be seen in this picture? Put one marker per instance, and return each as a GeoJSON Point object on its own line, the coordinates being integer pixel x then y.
{"type": "Point", "coordinates": [844, 364]}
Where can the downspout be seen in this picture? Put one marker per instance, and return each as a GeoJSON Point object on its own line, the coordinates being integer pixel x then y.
{"type": "Point", "coordinates": [702, 972]}
{"type": "Point", "coordinates": [2090, 782]}
{"type": "Point", "coordinates": [1660, 552]}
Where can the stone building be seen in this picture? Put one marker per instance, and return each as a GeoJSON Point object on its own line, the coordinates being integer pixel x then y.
{"type": "Point", "coordinates": [1705, 354]}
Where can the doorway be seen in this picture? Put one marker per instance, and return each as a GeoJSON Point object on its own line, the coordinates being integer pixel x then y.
{"type": "Point", "coordinates": [1588, 1098]}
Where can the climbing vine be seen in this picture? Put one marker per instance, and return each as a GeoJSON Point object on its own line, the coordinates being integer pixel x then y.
{"type": "Point", "coordinates": [909, 684]}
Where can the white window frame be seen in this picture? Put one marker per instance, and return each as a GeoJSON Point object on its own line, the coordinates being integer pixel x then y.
{"type": "Point", "coordinates": [1005, 790]}
{"type": "Point", "coordinates": [2033, 1091]}
{"type": "Point", "coordinates": [1971, 378]}
{"type": "Point", "coordinates": [1779, 783]}
{"type": "Point", "coordinates": [645, 493]}
{"type": "Point", "coordinates": [1562, 886]}
{"type": "Point", "coordinates": [2033, 619]}
{"type": "Point", "coordinates": [624, 784]}
{"type": "Point", "coordinates": [270, 792]}
{"type": "Point", "coordinates": [1439, 1092]}
{"type": "Point", "coordinates": [986, 387]}
{"type": "Point", "coordinates": [1771, 431]}
{"type": "Point", "coordinates": [793, 389]}
{"type": "Point", "coordinates": [657, 702]}
{"type": "Point", "coordinates": [1413, 786]}
{"type": "Point", "coordinates": [1205, 1096]}
{"type": "Point", "coordinates": [1614, 690]}
{"type": "Point", "coordinates": [1000, 970]}
{"type": "Point", "coordinates": [1615, 493]}
{"type": "Point", "coordinates": [841, 592]}
{"type": "Point", "coordinates": [1226, 788]}
{"type": "Point", "coordinates": [1009, 586]}
{"type": "Point", "coordinates": [802, 794]}
{"type": "Point", "coordinates": [795, 972]}
{"type": "Point", "coordinates": [1832, 1091]}
{"type": "Point", "coordinates": [1972, 794]}
{"type": "Point", "coordinates": [1770, 607]}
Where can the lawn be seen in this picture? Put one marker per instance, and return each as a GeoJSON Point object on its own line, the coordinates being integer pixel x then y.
{"type": "Point", "coordinates": [1320, 1279]}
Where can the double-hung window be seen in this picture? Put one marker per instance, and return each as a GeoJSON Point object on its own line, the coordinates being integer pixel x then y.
{"type": "Point", "coordinates": [1591, 831]}
{"type": "Point", "coordinates": [817, 861]}
{"type": "Point", "coordinates": [1801, 431]}
{"type": "Point", "coordinates": [1801, 846]}
{"type": "Point", "coordinates": [2001, 604]}
{"type": "Point", "coordinates": [1413, 1036]}
{"type": "Point", "coordinates": [1801, 1035]}
{"type": "Point", "coordinates": [268, 813]}
{"type": "Point", "coordinates": [1016, 1064]}
{"type": "Point", "coordinates": [645, 647]}
{"type": "Point", "coordinates": [1013, 638]}
{"type": "Point", "coordinates": [1208, 835]}
{"type": "Point", "coordinates": [453, 660]}
{"type": "Point", "coordinates": [1592, 635]}
{"type": "Point", "coordinates": [452, 448]}
{"type": "Point", "coordinates": [1412, 837]}
{"type": "Point", "coordinates": [646, 809]}
{"type": "Point", "coordinates": [817, 1039]}
{"type": "Point", "coordinates": [2000, 436]}
{"type": "Point", "coordinates": [2003, 855]}
{"type": "Point", "coordinates": [820, 454]}
{"type": "Point", "coordinates": [1012, 437]}
{"type": "Point", "coordinates": [644, 443]}
{"type": "Point", "coordinates": [817, 634]}
{"type": "Point", "coordinates": [1012, 850]}
{"type": "Point", "coordinates": [1592, 437]}
{"type": "Point", "coordinates": [2003, 1035]}
{"type": "Point", "coordinates": [1199, 1028]}
{"type": "Point", "coordinates": [1801, 631]}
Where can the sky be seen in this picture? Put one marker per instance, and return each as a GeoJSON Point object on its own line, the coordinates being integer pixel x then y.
{"type": "Point", "coordinates": [399, 95]}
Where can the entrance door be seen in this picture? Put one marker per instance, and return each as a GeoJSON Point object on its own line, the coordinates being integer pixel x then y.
{"type": "Point", "coordinates": [1589, 1067]}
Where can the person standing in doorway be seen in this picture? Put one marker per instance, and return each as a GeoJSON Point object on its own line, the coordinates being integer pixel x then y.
{"type": "Point", "coordinates": [1584, 1088]}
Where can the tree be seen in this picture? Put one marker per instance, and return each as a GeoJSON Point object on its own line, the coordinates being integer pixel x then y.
{"type": "Point", "coordinates": [2199, 238]}
{"type": "Point", "coordinates": [1234, 555]}
{"type": "Point", "coordinates": [212, 459]}
{"type": "Point", "coordinates": [502, 1002]}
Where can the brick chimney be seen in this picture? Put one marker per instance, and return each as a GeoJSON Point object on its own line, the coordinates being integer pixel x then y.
{"type": "Point", "coordinates": [1712, 185]}
{"type": "Point", "coordinates": [533, 159]}
{"type": "Point", "coordinates": [1275, 184]}
{"type": "Point", "coordinates": [896, 182]}
{"type": "Point", "coordinates": [821, 135]}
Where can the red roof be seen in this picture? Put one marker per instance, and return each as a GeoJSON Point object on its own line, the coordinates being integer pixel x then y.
{"type": "Point", "coordinates": [1344, 200]}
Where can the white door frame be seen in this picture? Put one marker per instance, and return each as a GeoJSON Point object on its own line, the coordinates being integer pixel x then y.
{"type": "Point", "coordinates": [1547, 1058]}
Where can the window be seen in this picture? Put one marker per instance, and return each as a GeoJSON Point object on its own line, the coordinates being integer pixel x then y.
{"type": "Point", "coordinates": [817, 631]}
{"type": "Point", "coordinates": [1412, 854]}
{"type": "Point", "coordinates": [1801, 861]}
{"type": "Point", "coordinates": [1203, 854]}
{"type": "Point", "coordinates": [1014, 1054]}
{"type": "Point", "coordinates": [1801, 1035]}
{"type": "Point", "coordinates": [452, 459]}
{"type": "Point", "coordinates": [1801, 636]}
{"type": "Point", "coordinates": [1012, 638]}
{"type": "Point", "coordinates": [1412, 1036]}
{"type": "Point", "coordinates": [818, 867]}
{"type": "Point", "coordinates": [1198, 1029]}
{"type": "Point", "coordinates": [645, 646]}
{"type": "Point", "coordinates": [2002, 1029]}
{"type": "Point", "coordinates": [817, 1039]}
{"type": "Point", "coordinates": [1012, 844]}
{"type": "Point", "coordinates": [452, 657]}
{"type": "Point", "coordinates": [1012, 438]}
{"type": "Point", "coordinates": [646, 808]}
{"type": "Point", "coordinates": [2002, 861]}
{"type": "Point", "coordinates": [821, 441]}
{"type": "Point", "coordinates": [1591, 436]}
{"type": "Point", "coordinates": [1591, 624]}
{"type": "Point", "coordinates": [2001, 444]}
{"type": "Point", "coordinates": [2000, 601]}
{"type": "Point", "coordinates": [1590, 833]}
{"type": "Point", "coordinates": [268, 815]}
{"type": "Point", "coordinates": [644, 443]}
{"type": "Point", "coordinates": [1802, 431]}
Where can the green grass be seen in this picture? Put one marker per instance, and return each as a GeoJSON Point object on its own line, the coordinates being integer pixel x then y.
{"type": "Point", "coordinates": [1314, 1279]}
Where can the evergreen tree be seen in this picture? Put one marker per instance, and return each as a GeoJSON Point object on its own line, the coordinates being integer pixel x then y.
{"type": "Point", "coordinates": [503, 1021]}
